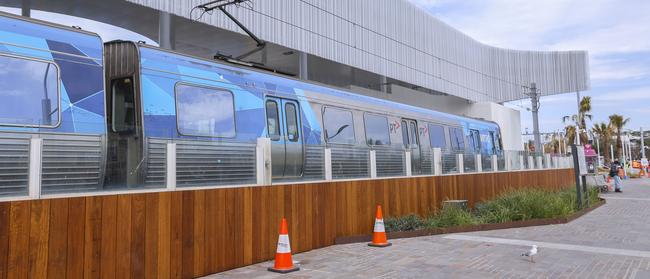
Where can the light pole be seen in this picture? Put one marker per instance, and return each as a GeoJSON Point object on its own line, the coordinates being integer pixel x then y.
{"type": "Point", "coordinates": [534, 94]}
{"type": "Point", "coordinates": [642, 144]}
{"type": "Point", "coordinates": [578, 118]}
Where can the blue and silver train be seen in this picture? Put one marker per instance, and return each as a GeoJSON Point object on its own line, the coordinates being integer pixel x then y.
{"type": "Point", "coordinates": [104, 113]}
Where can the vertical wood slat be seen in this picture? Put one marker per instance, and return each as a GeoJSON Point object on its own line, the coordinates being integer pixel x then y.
{"type": "Point", "coordinates": [123, 245]}
{"type": "Point", "coordinates": [92, 238]}
{"type": "Point", "coordinates": [58, 239]}
{"type": "Point", "coordinates": [17, 261]}
{"type": "Point", "coordinates": [76, 238]}
{"type": "Point", "coordinates": [5, 210]}
{"type": "Point", "coordinates": [38, 238]}
{"type": "Point", "coordinates": [194, 233]}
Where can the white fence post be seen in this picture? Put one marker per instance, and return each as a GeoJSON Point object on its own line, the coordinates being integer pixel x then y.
{"type": "Point", "coordinates": [437, 161]}
{"type": "Point", "coordinates": [460, 163]}
{"type": "Point", "coordinates": [509, 159]}
{"type": "Point", "coordinates": [522, 166]}
{"type": "Point", "coordinates": [35, 167]}
{"type": "Point", "coordinates": [328, 164]}
{"type": "Point", "coordinates": [531, 162]}
{"type": "Point", "coordinates": [479, 163]}
{"type": "Point", "coordinates": [548, 161]}
{"type": "Point", "coordinates": [495, 163]}
{"type": "Point", "coordinates": [539, 164]}
{"type": "Point", "coordinates": [407, 158]}
{"type": "Point", "coordinates": [171, 166]}
{"type": "Point", "coordinates": [373, 164]}
{"type": "Point", "coordinates": [264, 163]}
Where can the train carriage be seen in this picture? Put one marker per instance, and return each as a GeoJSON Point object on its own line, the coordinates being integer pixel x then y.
{"type": "Point", "coordinates": [117, 139]}
{"type": "Point", "coordinates": [52, 91]}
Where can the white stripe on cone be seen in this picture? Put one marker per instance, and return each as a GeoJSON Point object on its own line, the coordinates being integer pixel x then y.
{"type": "Point", "coordinates": [379, 225]}
{"type": "Point", "coordinates": [283, 244]}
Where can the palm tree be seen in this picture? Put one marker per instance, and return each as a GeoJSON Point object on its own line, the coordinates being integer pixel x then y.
{"type": "Point", "coordinates": [604, 132]}
{"type": "Point", "coordinates": [584, 113]}
{"type": "Point", "coordinates": [570, 132]}
{"type": "Point", "coordinates": [580, 119]}
{"type": "Point", "coordinates": [617, 122]}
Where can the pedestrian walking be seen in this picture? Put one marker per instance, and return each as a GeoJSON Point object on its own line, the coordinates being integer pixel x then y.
{"type": "Point", "coordinates": [616, 172]}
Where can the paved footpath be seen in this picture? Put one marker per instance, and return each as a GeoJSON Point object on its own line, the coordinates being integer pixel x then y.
{"type": "Point", "coordinates": [612, 241]}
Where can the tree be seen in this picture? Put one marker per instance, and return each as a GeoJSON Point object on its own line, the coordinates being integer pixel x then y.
{"type": "Point", "coordinates": [604, 133]}
{"type": "Point", "coordinates": [617, 122]}
{"type": "Point", "coordinates": [584, 112]}
{"type": "Point", "coordinates": [570, 133]}
{"type": "Point", "coordinates": [580, 119]}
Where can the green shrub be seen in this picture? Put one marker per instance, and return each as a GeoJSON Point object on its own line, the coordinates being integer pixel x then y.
{"type": "Point", "coordinates": [517, 205]}
{"type": "Point", "coordinates": [449, 217]}
{"type": "Point", "coordinates": [409, 222]}
{"type": "Point", "coordinates": [526, 204]}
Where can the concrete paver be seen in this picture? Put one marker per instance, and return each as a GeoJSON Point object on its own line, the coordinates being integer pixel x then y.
{"type": "Point", "coordinates": [584, 248]}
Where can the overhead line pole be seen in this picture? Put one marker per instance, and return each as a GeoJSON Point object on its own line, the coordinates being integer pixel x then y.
{"type": "Point", "coordinates": [534, 93]}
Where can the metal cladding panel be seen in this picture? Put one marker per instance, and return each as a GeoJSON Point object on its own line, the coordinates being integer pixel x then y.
{"type": "Point", "coordinates": [72, 163]}
{"type": "Point", "coordinates": [401, 41]}
{"type": "Point", "coordinates": [14, 164]}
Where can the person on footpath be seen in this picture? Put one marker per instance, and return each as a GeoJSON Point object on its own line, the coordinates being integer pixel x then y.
{"type": "Point", "coordinates": [618, 179]}
{"type": "Point", "coordinates": [617, 173]}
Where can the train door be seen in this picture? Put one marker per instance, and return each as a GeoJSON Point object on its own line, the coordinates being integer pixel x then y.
{"type": "Point", "coordinates": [124, 134]}
{"type": "Point", "coordinates": [411, 141]}
{"type": "Point", "coordinates": [283, 126]}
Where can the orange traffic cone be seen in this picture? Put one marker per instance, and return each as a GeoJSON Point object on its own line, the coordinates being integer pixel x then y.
{"type": "Point", "coordinates": [379, 232]}
{"type": "Point", "coordinates": [283, 261]}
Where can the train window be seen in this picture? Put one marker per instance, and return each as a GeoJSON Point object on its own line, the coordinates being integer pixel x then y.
{"type": "Point", "coordinates": [405, 134]}
{"type": "Point", "coordinates": [376, 130]}
{"type": "Point", "coordinates": [29, 92]}
{"type": "Point", "coordinates": [414, 134]}
{"type": "Point", "coordinates": [457, 139]}
{"type": "Point", "coordinates": [272, 120]}
{"type": "Point", "coordinates": [339, 126]}
{"type": "Point", "coordinates": [475, 140]}
{"type": "Point", "coordinates": [437, 136]}
{"type": "Point", "coordinates": [123, 112]}
{"type": "Point", "coordinates": [292, 122]}
{"type": "Point", "coordinates": [203, 111]}
{"type": "Point", "coordinates": [493, 142]}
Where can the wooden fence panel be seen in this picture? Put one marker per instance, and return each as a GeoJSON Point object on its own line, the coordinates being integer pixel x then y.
{"type": "Point", "coordinates": [193, 233]}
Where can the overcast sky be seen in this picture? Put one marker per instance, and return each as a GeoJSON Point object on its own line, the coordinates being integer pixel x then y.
{"type": "Point", "coordinates": [615, 32]}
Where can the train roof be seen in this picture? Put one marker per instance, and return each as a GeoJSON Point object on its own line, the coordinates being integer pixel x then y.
{"type": "Point", "coordinates": [34, 33]}
{"type": "Point", "coordinates": [286, 84]}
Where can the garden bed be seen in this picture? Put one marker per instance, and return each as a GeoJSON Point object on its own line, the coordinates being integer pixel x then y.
{"type": "Point", "coordinates": [477, 227]}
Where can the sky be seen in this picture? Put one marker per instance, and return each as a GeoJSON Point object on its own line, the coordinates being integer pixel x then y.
{"type": "Point", "coordinates": [616, 33]}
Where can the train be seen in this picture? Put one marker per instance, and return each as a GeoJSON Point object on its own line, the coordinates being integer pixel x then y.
{"type": "Point", "coordinates": [104, 113]}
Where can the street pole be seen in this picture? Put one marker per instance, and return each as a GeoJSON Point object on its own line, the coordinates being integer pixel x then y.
{"type": "Point", "coordinates": [642, 145]}
{"type": "Point", "coordinates": [579, 120]}
{"type": "Point", "coordinates": [598, 150]}
{"type": "Point", "coordinates": [611, 151]}
{"type": "Point", "coordinates": [624, 151]}
{"type": "Point", "coordinates": [629, 154]}
{"type": "Point", "coordinates": [534, 102]}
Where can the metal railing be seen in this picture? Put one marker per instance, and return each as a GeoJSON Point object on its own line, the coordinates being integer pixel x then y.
{"type": "Point", "coordinates": [29, 170]}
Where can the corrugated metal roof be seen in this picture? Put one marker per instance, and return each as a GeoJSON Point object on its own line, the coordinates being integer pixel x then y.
{"type": "Point", "coordinates": [401, 41]}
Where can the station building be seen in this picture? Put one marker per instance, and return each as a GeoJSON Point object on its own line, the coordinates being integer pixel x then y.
{"type": "Point", "coordinates": [381, 48]}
